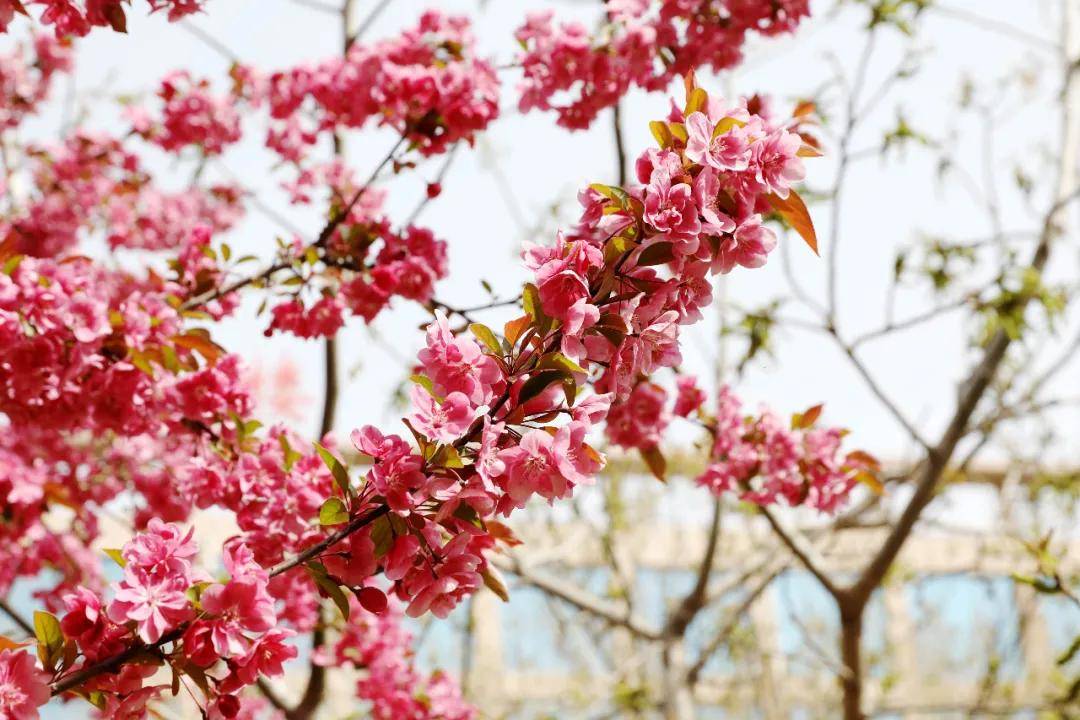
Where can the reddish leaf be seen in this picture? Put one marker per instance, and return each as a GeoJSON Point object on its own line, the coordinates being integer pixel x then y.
{"type": "Point", "coordinates": [502, 532]}
{"type": "Point", "coordinates": [656, 462]}
{"type": "Point", "coordinates": [803, 420]}
{"type": "Point", "coordinates": [114, 14]}
{"type": "Point", "coordinates": [494, 582]}
{"type": "Point", "coordinates": [793, 209]}
{"type": "Point", "coordinates": [864, 458]}
{"type": "Point", "coordinates": [372, 599]}
{"type": "Point", "coordinates": [513, 329]}
{"type": "Point", "coordinates": [201, 343]}
{"type": "Point", "coordinates": [871, 481]}
{"type": "Point", "coordinates": [7, 643]}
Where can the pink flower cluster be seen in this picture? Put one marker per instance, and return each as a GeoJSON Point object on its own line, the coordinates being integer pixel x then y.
{"type": "Point", "coordinates": [24, 84]}
{"type": "Point", "coordinates": [91, 182]}
{"type": "Point", "coordinates": [698, 211]}
{"type": "Point", "coordinates": [78, 18]}
{"type": "Point", "coordinates": [643, 43]}
{"type": "Point", "coordinates": [427, 84]}
{"type": "Point", "coordinates": [390, 681]}
{"type": "Point", "coordinates": [85, 349]}
{"type": "Point", "coordinates": [190, 116]}
{"type": "Point", "coordinates": [163, 597]}
{"type": "Point", "coordinates": [110, 392]}
{"type": "Point", "coordinates": [765, 461]}
{"type": "Point", "coordinates": [640, 419]}
{"type": "Point", "coordinates": [370, 265]}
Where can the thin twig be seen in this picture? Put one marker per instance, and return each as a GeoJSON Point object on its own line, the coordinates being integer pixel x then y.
{"type": "Point", "coordinates": [17, 618]}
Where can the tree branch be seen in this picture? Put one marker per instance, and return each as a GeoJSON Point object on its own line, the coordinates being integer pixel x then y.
{"type": "Point", "coordinates": [620, 146]}
{"type": "Point", "coordinates": [971, 392]}
{"type": "Point", "coordinates": [17, 618]}
{"type": "Point", "coordinates": [801, 548]}
{"type": "Point", "coordinates": [693, 675]}
{"type": "Point", "coordinates": [694, 601]}
{"type": "Point", "coordinates": [609, 612]}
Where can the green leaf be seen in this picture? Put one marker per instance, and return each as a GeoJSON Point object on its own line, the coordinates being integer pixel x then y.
{"type": "Point", "coordinates": [12, 264]}
{"type": "Point", "coordinates": [484, 334]}
{"type": "Point", "coordinates": [50, 638]}
{"type": "Point", "coordinates": [329, 588]}
{"type": "Point", "coordinates": [615, 248]}
{"type": "Point", "coordinates": [382, 534]}
{"type": "Point", "coordinates": [425, 382]}
{"type": "Point", "coordinates": [530, 301]}
{"type": "Point", "coordinates": [696, 100]}
{"type": "Point", "coordinates": [569, 386]}
{"type": "Point", "coordinates": [613, 193]}
{"type": "Point", "coordinates": [337, 469]}
{"type": "Point", "coordinates": [291, 456]}
{"type": "Point", "coordinates": [447, 456]}
{"type": "Point", "coordinates": [558, 361]}
{"type": "Point", "coordinates": [333, 512]}
{"type": "Point", "coordinates": [194, 593]}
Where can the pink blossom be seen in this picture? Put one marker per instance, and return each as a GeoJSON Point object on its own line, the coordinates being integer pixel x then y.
{"type": "Point", "coordinates": [707, 197]}
{"type": "Point", "coordinates": [440, 586]}
{"type": "Point", "coordinates": [670, 208]}
{"type": "Point", "coordinates": [23, 688]}
{"type": "Point", "coordinates": [546, 465]}
{"type": "Point", "coordinates": [456, 364]}
{"type": "Point", "coordinates": [748, 247]}
{"type": "Point", "coordinates": [727, 150]}
{"type": "Point", "coordinates": [765, 460]}
{"type": "Point", "coordinates": [776, 163]}
{"type": "Point", "coordinates": [267, 656]}
{"type": "Point", "coordinates": [444, 421]}
{"type": "Point", "coordinates": [156, 606]}
{"type": "Point", "coordinates": [639, 421]}
{"type": "Point", "coordinates": [396, 473]}
{"type": "Point", "coordinates": [690, 397]}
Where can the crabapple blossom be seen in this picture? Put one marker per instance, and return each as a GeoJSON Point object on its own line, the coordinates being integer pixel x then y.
{"type": "Point", "coordinates": [639, 420]}
{"type": "Point", "coordinates": [23, 687]}
{"type": "Point", "coordinates": [689, 398]}
{"type": "Point", "coordinates": [113, 389]}
{"type": "Point", "coordinates": [642, 43]}
{"type": "Point", "coordinates": [765, 461]}
{"type": "Point", "coordinates": [71, 18]}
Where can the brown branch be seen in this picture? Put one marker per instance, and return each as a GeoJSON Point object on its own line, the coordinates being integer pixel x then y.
{"type": "Point", "coordinates": [332, 224]}
{"type": "Point", "coordinates": [620, 145]}
{"type": "Point", "coordinates": [852, 602]}
{"type": "Point", "coordinates": [695, 600]}
{"type": "Point", "coordinates": [803, 551]}
{"type": "Point", "coordinates": [17, 618]}
{"type": "Point", "coordinates": [582, 599]}
{"type": "Point", "coordinates": [271, 695]}
{"type": "Point", "coordinates": [330, 395]}
{"type": "Point", "coordinates": [722, 636]}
